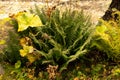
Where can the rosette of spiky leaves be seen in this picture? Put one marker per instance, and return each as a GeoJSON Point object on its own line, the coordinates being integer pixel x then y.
{"type": "Point", "coordinates": [64, 37]}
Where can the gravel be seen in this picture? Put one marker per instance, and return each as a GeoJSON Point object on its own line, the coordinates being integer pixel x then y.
{"type": "Point", "coordinates": [93, 7]}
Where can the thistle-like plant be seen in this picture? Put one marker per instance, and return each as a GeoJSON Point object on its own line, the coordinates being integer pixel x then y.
{"type": "Point", "coordinates": [60, 38]}
{"type": "Point", "coordinates": [65, 36]}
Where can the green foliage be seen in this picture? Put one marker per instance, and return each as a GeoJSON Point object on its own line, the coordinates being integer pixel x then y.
{"type": "Point", "coordinates": [96, 69]}
{"type": "Point", "coordinates": [69, 33]}
{"type": "Point", "coordinates": [63, 37]}
{"type": "Point", "coordinates": [17, 64]}
{"type": "Point", "coordinates": [107, 37]}
{"type": "Point", "coordinates": [116, 72]}
{"type": "Point", "coordinates": [11, 51]}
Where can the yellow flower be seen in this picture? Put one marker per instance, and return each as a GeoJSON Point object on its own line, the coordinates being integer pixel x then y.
{"type": "Point", "coordinates": [25, 41]}
{"type": "Point", "coordinates": [23, 53]}
{"type": "Point", "coordinates": [22, 41]}
{"type": "Point", "coordinates": [31, 58]}
{"type": "Point", "coordinates": [26, 50]}
{"type": "Point", "coordinates": [26, 19]}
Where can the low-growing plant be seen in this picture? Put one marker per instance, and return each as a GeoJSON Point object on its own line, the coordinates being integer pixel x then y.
{"type": "Point", "coordinates": [56, 39]}
{"type": "Point", "coordinates": [107, 37]}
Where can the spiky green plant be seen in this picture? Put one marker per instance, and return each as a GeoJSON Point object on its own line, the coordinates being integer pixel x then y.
{"type": "Point", "coordinates": [63, 37]}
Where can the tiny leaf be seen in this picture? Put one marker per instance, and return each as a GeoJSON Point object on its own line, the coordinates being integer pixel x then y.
{"type": "Point", "coordinates": [17, 64]}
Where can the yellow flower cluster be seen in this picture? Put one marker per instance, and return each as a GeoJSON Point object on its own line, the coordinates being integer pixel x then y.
{"type": "Point", "coordinates": [27, 51]}
{"type": "Point", "coordinates": [26, 19]}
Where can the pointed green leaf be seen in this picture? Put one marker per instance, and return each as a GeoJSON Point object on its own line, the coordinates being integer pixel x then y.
{"type": "Point", "coordinates": [17, 64]}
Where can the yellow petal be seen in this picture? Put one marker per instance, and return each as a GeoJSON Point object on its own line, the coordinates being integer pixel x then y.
{"type": "Point", "coordinates": [22, 41]}
{"type": "Point", "coordinates": [26, 19]}
{"type": "Point", "coordinates": [30, 49]}
{"type": "Point", "coordinates": [31, 58]}
{"type": "Point", "coordinates": [23, 53]}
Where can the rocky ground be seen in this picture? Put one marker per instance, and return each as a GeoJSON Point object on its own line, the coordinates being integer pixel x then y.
{"type": "Point", "coordinates": [96, 8]}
